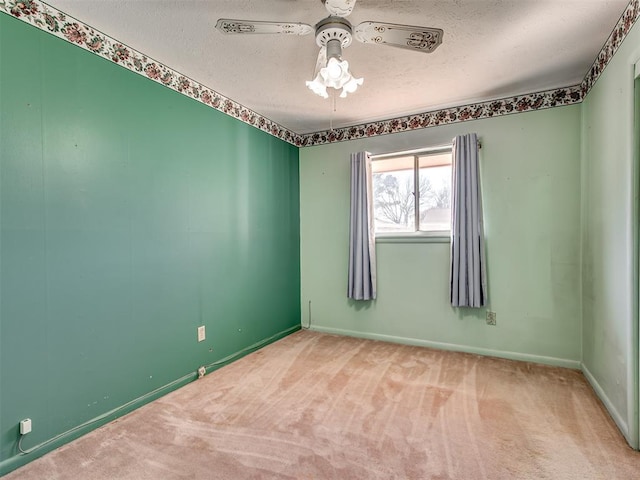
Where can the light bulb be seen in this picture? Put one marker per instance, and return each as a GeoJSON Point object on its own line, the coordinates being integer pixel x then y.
{"type": "Point", "coordinates": [334, 69]}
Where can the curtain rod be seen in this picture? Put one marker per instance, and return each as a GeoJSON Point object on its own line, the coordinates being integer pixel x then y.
{"type": "Point", "coordinates": [416, 151]}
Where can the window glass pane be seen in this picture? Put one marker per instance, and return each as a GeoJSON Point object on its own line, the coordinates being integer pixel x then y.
{"type": "Point", "coordinates": [435, 192]}
{"type": "Point", "coordinates": [393, 198]}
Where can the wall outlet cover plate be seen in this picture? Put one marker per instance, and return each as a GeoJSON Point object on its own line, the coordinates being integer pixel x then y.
{"type": "Point", "coordinates": [25, 426]}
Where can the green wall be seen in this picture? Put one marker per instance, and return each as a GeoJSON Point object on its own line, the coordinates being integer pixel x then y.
{"type": "Point", "coordinates": [530, 167]}
{"type": "Point", "coordinates": [609, 235]}
{"type": "Point", "coordinates": [129, 216]}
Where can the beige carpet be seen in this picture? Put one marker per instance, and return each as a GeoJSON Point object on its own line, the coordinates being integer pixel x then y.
{"type": "Point", "coordinates": [315, 406]}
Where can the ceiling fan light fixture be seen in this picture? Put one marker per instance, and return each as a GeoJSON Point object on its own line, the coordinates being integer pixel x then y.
{"type": "Point", "coordinates": [336, 75]}
{"type": "Point", "coordinates": [332, 35]}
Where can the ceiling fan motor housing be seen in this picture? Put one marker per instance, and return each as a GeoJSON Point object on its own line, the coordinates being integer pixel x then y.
{"type": "Point", "coordinates": [333, 28]}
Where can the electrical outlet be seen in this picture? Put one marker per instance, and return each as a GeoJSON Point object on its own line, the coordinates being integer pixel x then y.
{"type": "Point", "coordinates": [491, 317]}
{"type": "Point", "coordinates": [25, 426]}
{"type": "Point", "coordinates": [201, 333]}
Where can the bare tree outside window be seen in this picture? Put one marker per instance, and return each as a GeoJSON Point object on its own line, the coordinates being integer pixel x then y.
{"type": "Point", "coordinates": [435, 206]}
{"type": "Point", "coordinates": [395, 200]}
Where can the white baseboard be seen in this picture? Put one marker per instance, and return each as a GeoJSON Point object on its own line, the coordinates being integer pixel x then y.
{"type": "Point", "coordinates": [525, 357]}
{"type": "Point", "coordinates": [617, 417]}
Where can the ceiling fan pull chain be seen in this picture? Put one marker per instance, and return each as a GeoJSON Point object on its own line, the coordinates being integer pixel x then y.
{"type": "Point", "coordinates": [333, 98]}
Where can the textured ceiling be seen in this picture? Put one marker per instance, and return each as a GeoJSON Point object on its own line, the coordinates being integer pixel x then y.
{"type": "Point", "coordinates": [491, 49]}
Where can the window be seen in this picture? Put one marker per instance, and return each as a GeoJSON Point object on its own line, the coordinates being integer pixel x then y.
{"type": "Point", "coordinates": [400, 207]}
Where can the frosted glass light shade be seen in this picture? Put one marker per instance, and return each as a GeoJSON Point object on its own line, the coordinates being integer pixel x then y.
{"type": "Point", "coordinates": [351, 86]}
{"type": "Point", "coordinates": [318, 87]}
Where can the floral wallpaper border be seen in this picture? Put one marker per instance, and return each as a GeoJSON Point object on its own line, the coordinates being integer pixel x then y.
{"type": "Point", "coordinates": [494, 108]}
{"type": "Point", "coordinates": [55, 22]}
{"type": "Point", "coordinates": [619, 33]}
{"type": "Point", "coordinates": [517, 104]}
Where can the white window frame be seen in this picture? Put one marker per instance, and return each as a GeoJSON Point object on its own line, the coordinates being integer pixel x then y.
{"type": "Point", "coordinates": [439, 236]}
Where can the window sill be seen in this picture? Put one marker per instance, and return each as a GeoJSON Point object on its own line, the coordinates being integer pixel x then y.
{"type": "Point", "coordinates": [421, 237]}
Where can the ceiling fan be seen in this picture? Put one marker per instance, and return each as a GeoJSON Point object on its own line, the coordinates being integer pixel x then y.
{"type": "Point", "coordinates": [335, 33]}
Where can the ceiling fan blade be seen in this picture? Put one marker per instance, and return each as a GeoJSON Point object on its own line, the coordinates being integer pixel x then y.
{"type": "Point", "coordinates": [339, 8]}
{"type": "Point", "coordinates": [228, 25]}
{"type": "Point", "coordinates": [421, 39]}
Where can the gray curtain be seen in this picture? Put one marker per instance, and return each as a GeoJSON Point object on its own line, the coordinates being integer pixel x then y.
{"type": "Point", "coordinates": [468, 283]}
{"type": "Point", "coordinates": [362, 247]}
